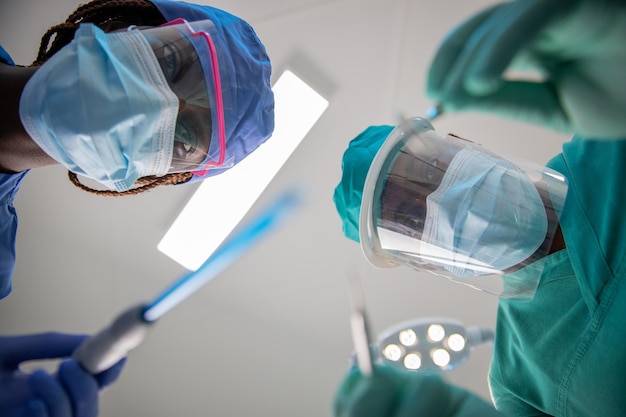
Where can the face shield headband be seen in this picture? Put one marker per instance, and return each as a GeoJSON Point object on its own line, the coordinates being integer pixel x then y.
{"type": "Point", "coordinates": [450, 207]}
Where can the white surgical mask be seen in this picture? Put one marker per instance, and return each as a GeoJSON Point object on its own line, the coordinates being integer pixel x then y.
{"type": "Point", "coordinates": [102, 107]}
{"type": "Point", "coordinates": [486, 215]}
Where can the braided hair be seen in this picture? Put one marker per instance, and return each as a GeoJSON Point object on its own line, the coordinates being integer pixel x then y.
{"type": "Point", "coordinates": [102, 13]}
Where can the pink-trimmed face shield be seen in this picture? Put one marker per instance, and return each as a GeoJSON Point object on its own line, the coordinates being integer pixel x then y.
{"type": "Point", "coordinates": [200, 133]}
{"type": "Point", "coordinates": [244, 72]}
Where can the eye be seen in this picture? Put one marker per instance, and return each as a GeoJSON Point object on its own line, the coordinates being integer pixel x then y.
{"type": "Point", "coordinates": [169, 60]}
{"type": "Point", "coordinates": [185, 141]}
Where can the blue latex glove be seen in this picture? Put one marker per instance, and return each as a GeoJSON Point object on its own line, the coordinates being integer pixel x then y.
{"type": "Point", "coordinates": [576, 45]}
{"type": "Point", "coordinates": [391, 393]}
{"type": "Point", "coordinates": [72, 392]}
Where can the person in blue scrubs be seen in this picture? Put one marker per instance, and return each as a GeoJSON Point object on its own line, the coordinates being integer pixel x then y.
{"type": "Point", "coordinates": [561, 353]}
{"type": "Point", "coordinates": [9, 186]}
{"type": "Point", "coordinates": [206, 135]}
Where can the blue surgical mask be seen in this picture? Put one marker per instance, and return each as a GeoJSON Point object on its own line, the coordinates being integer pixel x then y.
{"type": "Point", "coordinates": [486, 215]}
{"type": "Point", "coordinates": [102, 107]}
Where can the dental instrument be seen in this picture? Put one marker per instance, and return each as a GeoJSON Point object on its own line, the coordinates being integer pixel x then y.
{"type": "Point", "coordinates": [358, 324]}
{"type": "Point", "coordinates": [129, 329]}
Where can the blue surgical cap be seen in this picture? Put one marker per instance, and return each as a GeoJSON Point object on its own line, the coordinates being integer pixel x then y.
{"type": "Point", "coordinates": [245, 71]}
{"type": "Point", "coordinates": [355, 164]}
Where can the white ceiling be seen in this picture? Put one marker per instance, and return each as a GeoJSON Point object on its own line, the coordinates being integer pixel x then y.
{"type": "Point", "coordinates": [271, 335]}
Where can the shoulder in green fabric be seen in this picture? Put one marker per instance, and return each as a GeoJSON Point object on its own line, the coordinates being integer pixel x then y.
{"type": "Point", "coordinates": [559, 353]}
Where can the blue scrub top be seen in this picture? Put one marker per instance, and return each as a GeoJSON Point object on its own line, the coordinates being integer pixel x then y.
{"type": "Point", "coordinates": [562, 354]}
{"type": "Point", "coordinates": [9, 186]}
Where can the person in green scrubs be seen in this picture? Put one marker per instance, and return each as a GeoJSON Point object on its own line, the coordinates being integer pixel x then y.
{"type": "Point", "coordinates": [561, 353]}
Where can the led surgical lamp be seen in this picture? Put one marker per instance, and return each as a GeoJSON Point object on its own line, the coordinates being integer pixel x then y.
{"type": "Point", "coordinates": [429, 344]}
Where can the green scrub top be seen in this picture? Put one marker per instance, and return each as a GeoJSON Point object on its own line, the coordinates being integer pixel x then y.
{"type": "Point", "coordinates": [564, 352]}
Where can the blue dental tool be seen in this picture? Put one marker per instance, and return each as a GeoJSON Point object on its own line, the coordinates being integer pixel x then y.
{"type": "Point", "coordinates": [359, 325]}
{"type": "Point", "coordinates": [128, 330]}
{"type": "Point", "coordinates": [433, 112]}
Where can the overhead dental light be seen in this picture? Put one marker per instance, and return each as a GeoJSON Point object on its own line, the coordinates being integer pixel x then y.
{"type": "Point", "coordinates": [204, 224]}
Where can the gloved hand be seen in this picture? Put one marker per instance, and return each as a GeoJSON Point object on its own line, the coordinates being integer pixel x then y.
{"type": "Point", "coordinates": [392, 393]}
{"type": "Point", "coordinates": [72, 392]}
{"type": "Point", "coordinates": [576, 45]}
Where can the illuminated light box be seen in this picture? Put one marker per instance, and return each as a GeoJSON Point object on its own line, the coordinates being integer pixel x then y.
{"type": "Point", "coordinates": [220, 202]}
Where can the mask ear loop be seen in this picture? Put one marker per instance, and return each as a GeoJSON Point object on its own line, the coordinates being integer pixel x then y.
{"type": "Point", "coordinates": [218, 94]}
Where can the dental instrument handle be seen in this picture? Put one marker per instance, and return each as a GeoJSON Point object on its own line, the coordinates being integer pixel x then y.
{"type": "Point", "coordinates": [360, 339]}
{"type": "Point", "coordinates": [113, 343]}
{"type": "Point", "coordinates": [127, 331]}
{"type": "Point", "coordinates": [230, 251]}
{"type": "Point", "coordinates": [358, 323]}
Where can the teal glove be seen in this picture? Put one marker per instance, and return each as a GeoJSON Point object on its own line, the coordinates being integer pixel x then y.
{"type": "Point", "coordinates": [576, 45]}
{"type": "Point", "coordinates": [355, 164]}
{"type": "Point", "coordinates": [392, 393]}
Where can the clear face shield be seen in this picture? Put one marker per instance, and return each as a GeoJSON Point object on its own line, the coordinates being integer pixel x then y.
{"type": "Point", "coordinates": [178, 46]}
{"type": "Point", "coordinates": [448, 206]}
{"type": "Point", "coordinates": [118, 106]}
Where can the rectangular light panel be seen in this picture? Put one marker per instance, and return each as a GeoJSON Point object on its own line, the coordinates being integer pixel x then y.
{"type": "Point", "coordinates": [220, 202]}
